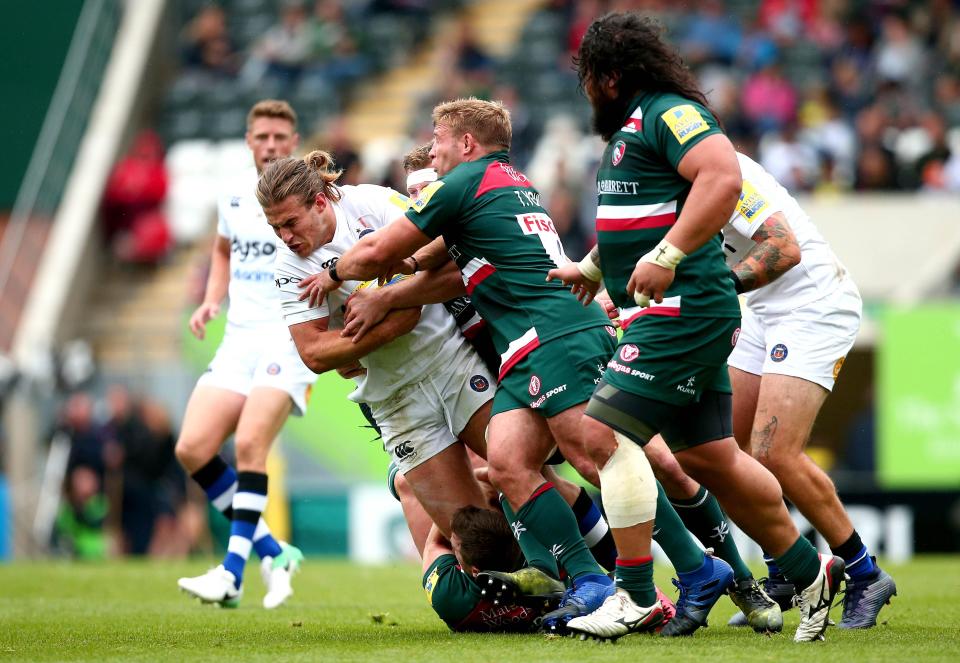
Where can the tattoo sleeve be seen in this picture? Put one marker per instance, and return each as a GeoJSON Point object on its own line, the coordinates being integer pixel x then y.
{"type": "Point", "coordinates": [775, 252]}
{"type": "Point", "coordinates": [595, 255]}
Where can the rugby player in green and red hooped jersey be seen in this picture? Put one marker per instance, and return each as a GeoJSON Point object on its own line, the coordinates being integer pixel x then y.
{"type": "Point", "coordinates": [553, 351]}
{"type": "Point", "coordinates": [668, 184]}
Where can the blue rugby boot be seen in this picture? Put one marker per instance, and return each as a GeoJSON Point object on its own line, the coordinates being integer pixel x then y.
{"type": "Point", "coordinates": [863, 599]}
{"type": "Point", "coordinates": [587, 594]}
{"type": "Point", "coordinates": [699, 592]}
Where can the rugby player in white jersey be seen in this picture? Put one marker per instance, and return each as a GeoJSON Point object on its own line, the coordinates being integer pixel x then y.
{"type": "Point", "coordinates": [255, 380]}
{"type": "Point", "coordinates": [427, 389]}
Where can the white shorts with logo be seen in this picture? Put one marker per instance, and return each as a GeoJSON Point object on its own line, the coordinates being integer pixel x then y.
{"type": "Point", "coordinates": [245, 361]}
{"type": "Point", "coordinates": [424, 418]}
{"type": "Point", "coordinates": [809, 342]}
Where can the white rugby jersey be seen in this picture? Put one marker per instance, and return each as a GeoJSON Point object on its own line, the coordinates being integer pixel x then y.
{"type": "Point", "coordinates": [432, 344]}
{"type": "Point", "coordinates": [819, 271]}
{"type": "Point", "coordinates": [254, 302]}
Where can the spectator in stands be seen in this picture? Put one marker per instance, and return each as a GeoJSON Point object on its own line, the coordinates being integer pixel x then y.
{"type": "Point", "coordinates": [898, 54]}
{"type": "Point", "coordinates": [335, 46]}
{"type": "Point", "coordinates": [769, 99]}
{"type": "Point", "coordinates": [79, 528]}
{"type": "Point", "coordinates": [791, 161]}
{"type": "Point", "coordinates": [712, 35]}
{"type": "Point", "coordinates": [206, 44]}
{"type": "Point", "coordinates": [87, 438]}
{"type": "Point", "coordinates": [284, 50]}
{"type": "Point", "coordinates": [335, 139]}
{"type": "Point", "coordinates": [152, 482]}
{"type": "Point", "coordinates": [133, 220]}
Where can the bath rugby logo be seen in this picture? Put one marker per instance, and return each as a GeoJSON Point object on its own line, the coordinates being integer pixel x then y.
{"type": "Point", "coordinates": [619, 149]}
{"type": "Point", "coordinates": [479, 383]}
{"type": "Point", "coordinates": [534, 387]}
{"type": "Point", "coordinates": [779, 352]}
{"type": "Point", "coordinates": [273, 369]}
{"type": "Point", "coordinates": [629, 352]}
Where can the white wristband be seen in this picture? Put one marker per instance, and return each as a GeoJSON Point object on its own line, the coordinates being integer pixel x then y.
{"type": "Point", "coordinates": [590, 269]}
{"type": "Point", "coordinates": [665, 255]}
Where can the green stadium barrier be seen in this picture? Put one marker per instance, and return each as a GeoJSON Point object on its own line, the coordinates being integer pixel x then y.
{"type": "Point", "coordinates": [918, 390]}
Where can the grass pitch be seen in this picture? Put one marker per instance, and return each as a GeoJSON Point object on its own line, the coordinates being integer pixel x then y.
{"type": "Point", "coordinates": [132, 611]}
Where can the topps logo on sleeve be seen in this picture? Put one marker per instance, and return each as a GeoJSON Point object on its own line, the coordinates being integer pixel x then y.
{"type": "Point", "coordinates": [616, 155]}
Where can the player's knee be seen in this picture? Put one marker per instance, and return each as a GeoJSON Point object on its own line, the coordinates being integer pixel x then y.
{"type": "Point", "coordinates": [252, 453]}
{"type": "Point", "coordinates": [598, 440]}
{"type": "Point", "coordinates": [191, 453]}
{"type": "Point", "coordinates": [629, 488]}
{"type": "Point", "coordinates": [402, 487]}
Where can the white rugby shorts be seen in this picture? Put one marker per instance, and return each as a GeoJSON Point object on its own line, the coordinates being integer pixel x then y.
{"type": "Point", "coordinates": [424, 418]}
{"type": "Point", "coordinates": [810, 342]}
{"type": "Point", "coordinates": [245, 361]}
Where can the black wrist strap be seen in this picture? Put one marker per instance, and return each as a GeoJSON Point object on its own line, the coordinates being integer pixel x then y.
{"type": "Point", "coordinates": [737, 283]}
{"type": "Point", "coordinates": [332, 270]}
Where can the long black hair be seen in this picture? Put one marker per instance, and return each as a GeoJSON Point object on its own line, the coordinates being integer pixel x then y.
{"type": "Point", "coordinates": [632, 46]}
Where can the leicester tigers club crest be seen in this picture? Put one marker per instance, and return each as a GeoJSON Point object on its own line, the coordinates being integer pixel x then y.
{"type": "Point", "coordinates": [629, 352]}
{"type": "Point", "coordinates": [619, 149]}
{"type": "Point", "coordinates": [534, 387]}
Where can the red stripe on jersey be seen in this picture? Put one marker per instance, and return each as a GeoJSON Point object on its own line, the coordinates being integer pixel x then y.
{"type": "Point", "coordinates": [669, 311]}
{"type": "Point", "coordinates": [517, 356]}
{"type": "Point", "coordinates": [478, 277]}
{"type": "Point", "coordinates": [655, 221]}
{"type": "Point", "coordinates": [634, 123]}
{"type": "Point", "coordinates": [500, 175]}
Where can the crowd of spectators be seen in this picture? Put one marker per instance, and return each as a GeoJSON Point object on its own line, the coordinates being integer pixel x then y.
{"type": "Point", "coordinates": [123, 491]}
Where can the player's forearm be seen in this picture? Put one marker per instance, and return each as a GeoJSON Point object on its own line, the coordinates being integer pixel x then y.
{"type": "Point", "coordinates": [326, 351]}
{"type": "Point", "coordinates": [433, 255]}
{"type": "Point", "coordinates": [218, 280]}
{"type": "Point", "coordinates": [707, 210]}
{"type": "Point", "coordinates": [774, 254]}
{"type": "Point", "coordinates": [433, 286]}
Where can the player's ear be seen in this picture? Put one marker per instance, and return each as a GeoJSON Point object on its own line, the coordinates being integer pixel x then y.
{"type": "Point", "coordinates": [320, 202]}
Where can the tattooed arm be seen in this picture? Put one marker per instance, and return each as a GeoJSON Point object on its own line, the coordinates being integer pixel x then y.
{"type": "Point", "coordinates": [776, 251]}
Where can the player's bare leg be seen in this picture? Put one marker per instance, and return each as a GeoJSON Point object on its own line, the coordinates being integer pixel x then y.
{"type": "Point", "coordinates": [474, 434]}
{"type": "Point", "coordinates": [445, 483]}
{"type": "Point", "coordinates": [519, 443]}
{"type": "Point", "coordinates": [630, 494]}
{"type": "Point", "coordinates": [747, 491]}
{"type": "Point", "coordinates": [211, 416]}
{"type": "Point", "coordinates": [784, 411]}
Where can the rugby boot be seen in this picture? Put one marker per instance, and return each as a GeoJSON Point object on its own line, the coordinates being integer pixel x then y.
{"type": "Point", "coordinates": [863, 599]}
{"type": "Point", "coordinates": [757, 610]}
{"type": "Point", "coordinates": [697, 598]}
{"type": "Point", "coordinates": [215, 586]}
{"type": "Point", "coordinates": [518, 586]}
{"type": "Point", "coordinates": [277, 574]}
{"type": "Point", "coordinates": [815, 601]}
{"type": "Point", "coordinates": [587, 594]}
{"type": "Point", "coordinates": [617, 617]}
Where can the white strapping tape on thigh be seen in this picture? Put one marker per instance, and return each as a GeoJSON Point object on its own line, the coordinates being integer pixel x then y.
{"type": "Point", "coordinates": [628, 486]}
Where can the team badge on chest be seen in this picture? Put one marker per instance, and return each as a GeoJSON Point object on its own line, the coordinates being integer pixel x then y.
{"type": "Point", "coordinates": [619, 149]}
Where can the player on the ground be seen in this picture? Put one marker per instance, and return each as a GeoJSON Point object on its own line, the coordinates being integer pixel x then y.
{"type": "Point", "coordinates": [427, 389]}
{"type": "Point", "coordinates": [255, 380]}
{"type": "Point", "coordinates": [801, 319]}
{"type": "Point", "coordinates": [668, 182]}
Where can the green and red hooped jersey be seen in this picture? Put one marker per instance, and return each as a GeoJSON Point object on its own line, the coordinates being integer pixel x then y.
{"type": "Point", "coordinates": [641, 196]}
{"type": "Point", "coordinates": [459, 602]}
{"type": "Point", "coordinates": [504, 243]}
